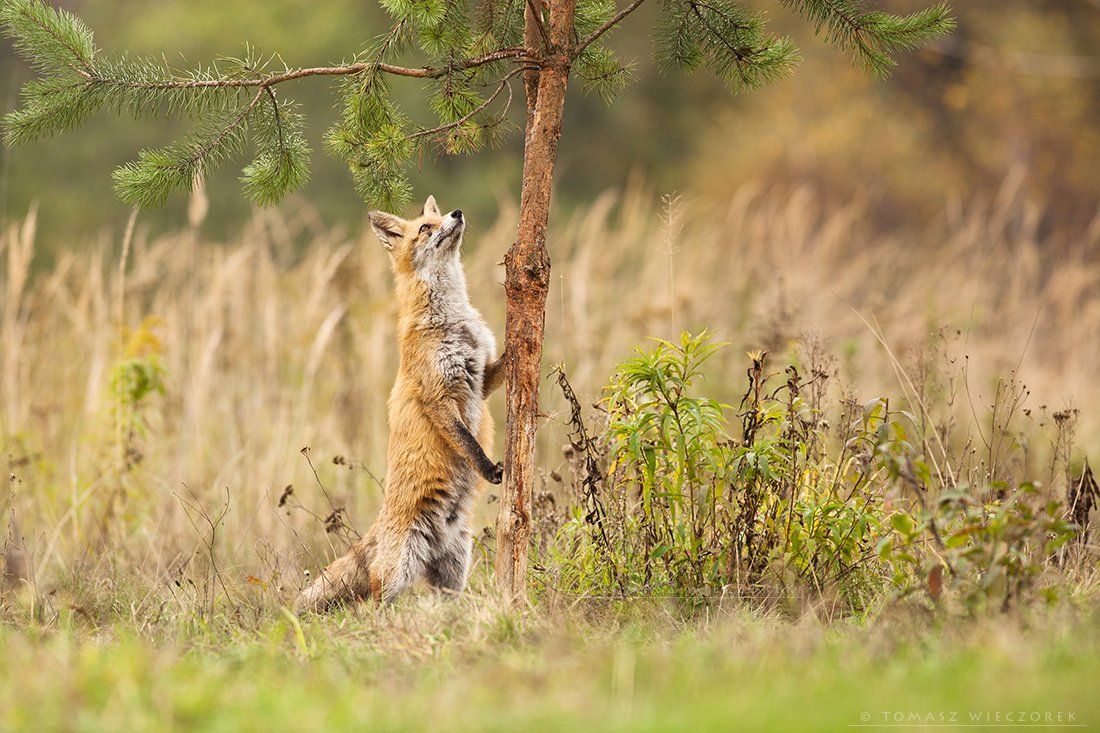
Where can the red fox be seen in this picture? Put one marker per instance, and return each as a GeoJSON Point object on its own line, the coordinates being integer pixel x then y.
{"type": "Point", "coordinates": [440, 426]}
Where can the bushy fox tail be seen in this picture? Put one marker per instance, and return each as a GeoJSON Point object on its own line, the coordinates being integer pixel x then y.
{"type": "Point", "coordinates": [345, 579]}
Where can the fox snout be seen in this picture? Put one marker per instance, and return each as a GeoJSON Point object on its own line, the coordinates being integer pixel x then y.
{"type": "Point", "coordinates": [454, 222]}
{"type": "Point", "coordinates": [450, 234]}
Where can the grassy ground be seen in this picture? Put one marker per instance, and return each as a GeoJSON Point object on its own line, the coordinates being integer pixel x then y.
{"type": "Point", "coordinates": [461, 665]}
{"type": "Point", "coordinates": [160, 509]}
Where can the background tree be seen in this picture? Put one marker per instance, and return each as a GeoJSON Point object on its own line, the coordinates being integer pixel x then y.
{"type": "Point", "coordinates": [467, 54]}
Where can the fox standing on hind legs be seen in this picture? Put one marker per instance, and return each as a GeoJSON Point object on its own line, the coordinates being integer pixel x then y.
{"type": "Point", "coordinates": [438, 419]}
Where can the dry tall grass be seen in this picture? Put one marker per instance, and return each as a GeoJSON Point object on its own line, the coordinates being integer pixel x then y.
{"type": "Point", "coordinates": [268, 347]}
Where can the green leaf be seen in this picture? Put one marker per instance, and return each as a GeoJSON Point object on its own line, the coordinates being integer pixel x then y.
{"type": "Point", "coordinates": [903, 523]}
{"type": "Point", "coordinates": [660, 551]}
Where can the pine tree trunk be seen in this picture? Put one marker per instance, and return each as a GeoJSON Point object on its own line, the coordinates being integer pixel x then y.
{"type": "Point", "coordinates": [527, 281]}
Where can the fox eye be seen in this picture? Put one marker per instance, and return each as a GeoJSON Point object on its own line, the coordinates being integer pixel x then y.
{"type": "Point", "coordinates": [425, 228]}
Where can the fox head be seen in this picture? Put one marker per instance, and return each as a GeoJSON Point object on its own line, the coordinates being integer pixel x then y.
{"type": "Point", "coordinates": [423, 245]}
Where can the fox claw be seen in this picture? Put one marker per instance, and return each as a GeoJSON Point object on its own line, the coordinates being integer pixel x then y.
{"type": "Point", "coordinates": [496, 474]}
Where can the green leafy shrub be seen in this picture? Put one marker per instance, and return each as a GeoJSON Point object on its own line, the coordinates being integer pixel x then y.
{"type": "Point", "coordinates": [684, 507]}
{"type": "Point", "coordinates": [674, 497]}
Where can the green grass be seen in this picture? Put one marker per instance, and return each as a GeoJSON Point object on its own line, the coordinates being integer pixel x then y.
{"type": "Point", "coordinates": [463, 665]}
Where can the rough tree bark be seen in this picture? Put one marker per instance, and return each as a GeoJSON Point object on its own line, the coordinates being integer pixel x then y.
{"type": "Point", "coordinates": [527, 280]}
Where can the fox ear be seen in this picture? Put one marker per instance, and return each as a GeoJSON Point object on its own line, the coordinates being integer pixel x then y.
{"type": "Point", "coordinates": [430, 207]}
{"type": "Point", "coordinates": [388, 228]}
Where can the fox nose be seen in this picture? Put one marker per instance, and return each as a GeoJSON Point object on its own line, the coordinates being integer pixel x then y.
{"type": "Point", "coordinates": [457, 213]}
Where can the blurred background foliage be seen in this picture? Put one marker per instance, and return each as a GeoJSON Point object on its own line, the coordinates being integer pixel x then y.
{"type": "Point", "coordinates": [1017, 88]}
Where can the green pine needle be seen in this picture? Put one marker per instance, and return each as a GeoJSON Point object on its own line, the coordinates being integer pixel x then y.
{"type": "Point", "coordinates": [602, 72]}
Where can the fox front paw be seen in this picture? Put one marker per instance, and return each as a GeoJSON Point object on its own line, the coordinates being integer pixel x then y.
{"type": "Point", "coordinates": [495, 474]}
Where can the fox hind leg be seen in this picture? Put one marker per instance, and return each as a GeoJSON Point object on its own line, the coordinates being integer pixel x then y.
{"type": "Point", "coordinates": [386, 562]}
{"type": "Point", "coordinates": [451, 566]}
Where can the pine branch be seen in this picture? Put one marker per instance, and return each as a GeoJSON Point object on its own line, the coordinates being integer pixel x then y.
{"type": "Point", "coordinates": [156, 174]}
{"type": "Point", "coordinates": [871, 35]}
{"type": "Point", "coordinates": [732, 40]}
{"type": "Point", "coordinates": [52, 40]}
{"type": "Point", "coordinates": [281, 164]}
{"type": "Point", "coordinates": [50, 106]}
{"type": "Point", "coordinates": [77, 81]}
{"type": "Point", "coordinates": [608, 25]}
{"type": "Point", "coordinates": [427, 72]}
{"type": "Point", "coordinates": [235, 100]}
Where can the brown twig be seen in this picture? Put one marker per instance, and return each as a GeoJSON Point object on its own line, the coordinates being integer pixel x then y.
{"type": "Point", "coordinates": [536, 16]}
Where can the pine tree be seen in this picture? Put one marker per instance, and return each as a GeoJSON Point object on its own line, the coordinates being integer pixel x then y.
{"type": "Point", "coordinates": [473, 51]}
